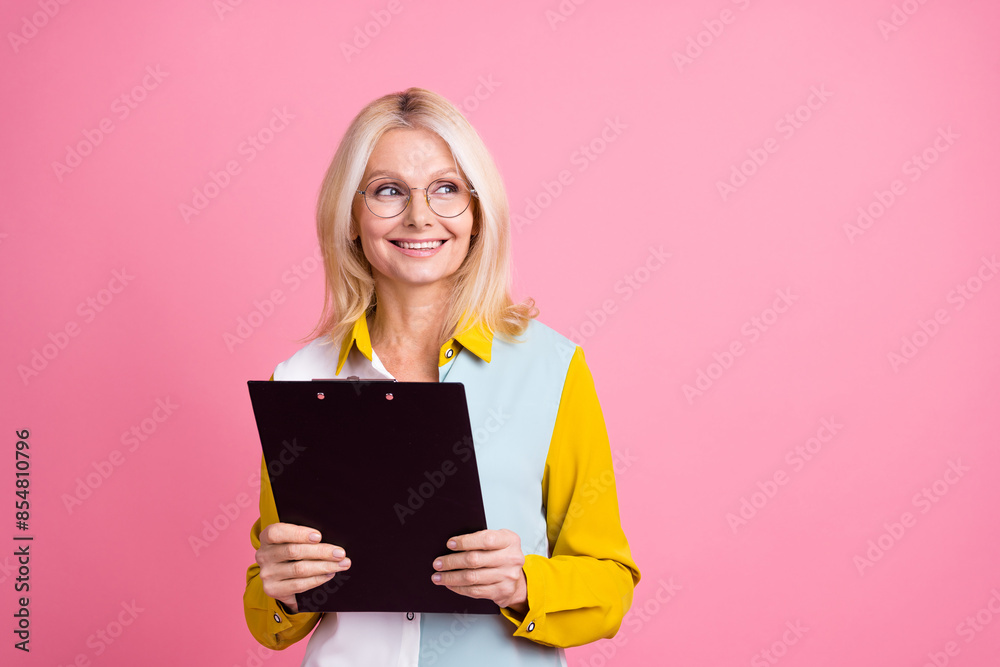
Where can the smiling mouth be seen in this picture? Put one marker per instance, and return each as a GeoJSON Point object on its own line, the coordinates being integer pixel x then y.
{"type": "Point", "coordinates": [426, 245]}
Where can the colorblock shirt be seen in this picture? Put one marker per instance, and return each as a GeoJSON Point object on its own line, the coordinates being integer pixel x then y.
{"type": "Point", "coordinates": [546, 472]}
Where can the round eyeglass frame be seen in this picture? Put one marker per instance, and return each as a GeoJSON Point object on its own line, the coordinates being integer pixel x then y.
{"type": "Point", "coordinates": [409, 195]}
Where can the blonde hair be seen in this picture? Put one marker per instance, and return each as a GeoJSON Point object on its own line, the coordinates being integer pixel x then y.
{"type": "Point", "coordinates": [482, 283]}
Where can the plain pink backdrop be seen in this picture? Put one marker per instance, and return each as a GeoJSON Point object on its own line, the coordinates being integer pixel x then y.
{"type": "Point", "coordinates": [641, 110]}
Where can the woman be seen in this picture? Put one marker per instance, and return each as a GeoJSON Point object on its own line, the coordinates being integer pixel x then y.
{"type": "Point", "coordinates": [418, 290]}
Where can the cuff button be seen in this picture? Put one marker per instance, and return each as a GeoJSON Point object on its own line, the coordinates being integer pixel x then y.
{"type": "Point", "coordinates": [531, 626]}
{"type": "Point", "coordinates": [409, 615]}
{"type": "Point", "coordinates": [277, 619]}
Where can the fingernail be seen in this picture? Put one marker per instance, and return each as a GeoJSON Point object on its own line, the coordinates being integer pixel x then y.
{"type": "Point", "coordinates": [452, 544]}
{"type": "Point", "coordinates": [338, 553]}
{"type": "Point", "coordinates": [346, 563]}
{"type": "Point", "coordinates": [314, 537]}
{"type": "Point", "coordinates": [436, 577]}
{"type": "Point", "coordinates": [331, 576]}
{"type": "Point", "coordinates": [437, 565]}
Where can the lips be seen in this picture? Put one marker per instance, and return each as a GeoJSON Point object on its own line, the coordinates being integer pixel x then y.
{"type": "Point", "coordinates": [418, 245]}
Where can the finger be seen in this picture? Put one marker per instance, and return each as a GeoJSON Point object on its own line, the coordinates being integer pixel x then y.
{"type": "Point", "coordinates": [295, 551]}
{"type": "Point", "coordinates": [483, 592]}
{"type": "Point", "coordinates": [277, 553]}
{"type": "Point", "coordinates": [468, 560]}
{"type": "Point", "coordinates": [462, 578]}
{"type": "Point", "coordinates": [282, 533]}
{"type": "Point", "coordinates": [484, 539]}
{"type": "Point", "coordinates": [304, 569]}
{"type": "Point", "coordinates": [289, 587]}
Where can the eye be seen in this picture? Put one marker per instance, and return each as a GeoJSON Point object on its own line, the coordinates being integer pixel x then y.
{"type": "Point", "coordinates": [445, 188]}
{"type": "Point", "coordinates": [388, 190]}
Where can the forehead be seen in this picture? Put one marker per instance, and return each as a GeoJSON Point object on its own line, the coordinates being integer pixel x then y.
{"type": "Point", "coordinates": [410, 153]}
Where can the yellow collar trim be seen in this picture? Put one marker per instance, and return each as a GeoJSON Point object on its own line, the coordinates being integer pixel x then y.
{"type": "Point", "coordinates": [476, 338]}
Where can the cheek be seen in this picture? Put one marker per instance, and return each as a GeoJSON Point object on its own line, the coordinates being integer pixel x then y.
{"type": "Point", "coordinates": [463, 241]}
{"type": "Point", "coordinates": [368, 227]}
{"type": "Point", "coordinates": [470, 227]}
{"type": "Point", "coordinates": [367, 245]}
{"type": "Point", "coordinates": [372, 255]}
{"type": "Point", "coordinates": [357, 215]}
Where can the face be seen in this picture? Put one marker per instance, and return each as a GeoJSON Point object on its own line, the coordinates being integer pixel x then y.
{"type": "Point", "coordinates": [417, 157]}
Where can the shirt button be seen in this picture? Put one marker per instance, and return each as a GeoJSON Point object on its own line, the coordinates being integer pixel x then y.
{"type": "Point", "coordinates": [277, 619]}
{"type": "Point", "coordinates": [531, 626]}
{"type": "Point", "coordinates": [449, 353]}
{"type": "Point", "coordinates": [409, 615]}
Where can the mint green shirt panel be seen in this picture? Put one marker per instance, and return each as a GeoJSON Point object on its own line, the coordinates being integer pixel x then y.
{"type": "Point", "coordinates": [513, 402]}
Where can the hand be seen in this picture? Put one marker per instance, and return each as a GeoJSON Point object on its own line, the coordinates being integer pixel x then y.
{"type": "Point", "coordinates": [490, 566]}
{"type": "Point", "coordinates": [292, 560]}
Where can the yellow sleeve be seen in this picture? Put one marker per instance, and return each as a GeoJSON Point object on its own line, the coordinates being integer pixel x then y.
{"type": "Point", "coordinates": [269, 621]}
{"type": "Point", "coordinates": [581, 592]}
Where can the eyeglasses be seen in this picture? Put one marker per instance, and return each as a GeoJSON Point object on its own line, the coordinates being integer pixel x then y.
{"type": "Point", "coordinates": [446, 197]}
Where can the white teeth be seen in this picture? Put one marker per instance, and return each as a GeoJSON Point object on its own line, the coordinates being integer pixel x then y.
{"type": "Point", "coordinates": [418, 246]}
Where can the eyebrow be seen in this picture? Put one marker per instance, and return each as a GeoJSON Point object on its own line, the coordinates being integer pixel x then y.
{"type": "Point", "coordinates": [388, 172]}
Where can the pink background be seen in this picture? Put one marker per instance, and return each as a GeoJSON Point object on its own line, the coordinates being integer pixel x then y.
{"type": "Point", "coordinates": [715, 591]}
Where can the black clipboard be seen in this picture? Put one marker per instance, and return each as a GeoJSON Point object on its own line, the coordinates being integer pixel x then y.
{"type": "Point", "coordinates": [385, 469]}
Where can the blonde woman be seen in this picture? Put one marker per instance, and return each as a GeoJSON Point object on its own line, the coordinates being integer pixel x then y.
{"type": "Point", "coordinates": [414, 227]}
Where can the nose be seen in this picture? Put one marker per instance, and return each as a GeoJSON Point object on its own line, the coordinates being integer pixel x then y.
{"type": "Point", "coordinates": [418, 211]}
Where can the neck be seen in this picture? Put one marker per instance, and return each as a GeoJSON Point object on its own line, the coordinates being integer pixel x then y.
{"type": "Point", "coordinates": [411, 319]}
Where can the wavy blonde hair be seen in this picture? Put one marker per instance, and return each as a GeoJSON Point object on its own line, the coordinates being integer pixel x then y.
{"type": "Point", "coordinates": [482, 283]}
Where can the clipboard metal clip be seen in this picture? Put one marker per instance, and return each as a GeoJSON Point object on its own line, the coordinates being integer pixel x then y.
{"type": "Point", "coordinates": [352, 378]}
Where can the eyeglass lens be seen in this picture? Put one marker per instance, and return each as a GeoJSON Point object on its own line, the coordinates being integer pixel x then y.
{"type": "Point", "coordinates": [387, 197]}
